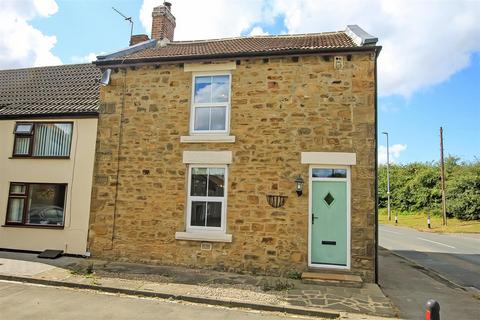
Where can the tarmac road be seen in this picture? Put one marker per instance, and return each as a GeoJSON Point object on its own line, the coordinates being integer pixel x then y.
{"type": "Point", "coordinates": [455, 256]}
{"type": "Point", "coordinates": [409, 288]}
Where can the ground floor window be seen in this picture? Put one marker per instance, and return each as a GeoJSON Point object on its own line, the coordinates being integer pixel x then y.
{"type": "Point", "coordinates": [206, 198]}
{"type": "Point", "coordinates": [37, 204]}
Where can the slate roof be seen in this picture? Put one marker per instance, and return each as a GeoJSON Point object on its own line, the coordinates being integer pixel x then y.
{"type": "Point", "coordinates": [49, 91]}
{"type": "Point", "coordinates": [154, 50]}
{"type": "Point", "coordinates": [262, 44]}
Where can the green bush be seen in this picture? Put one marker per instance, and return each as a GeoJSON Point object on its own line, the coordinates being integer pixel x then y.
{"type": "Point", "coordinates": [417, 187]}
{"type": "Point", "coordinates": [463, 194]}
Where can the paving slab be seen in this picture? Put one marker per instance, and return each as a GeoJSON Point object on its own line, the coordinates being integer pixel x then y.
{"type": "Point", "coordinates": [23, 268]}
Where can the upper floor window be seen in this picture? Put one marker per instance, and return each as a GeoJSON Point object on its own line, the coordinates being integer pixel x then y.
{"type": "Point", "coordinates": [41, 139]}
{"type": "Point", "coordinates": [210, 103]}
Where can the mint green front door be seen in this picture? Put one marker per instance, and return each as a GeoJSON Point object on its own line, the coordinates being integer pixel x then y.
{"type": "Point", "coordinates": [329, 223]}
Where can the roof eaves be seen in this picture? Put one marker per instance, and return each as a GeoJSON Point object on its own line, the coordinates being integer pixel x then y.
{"type": "Point", "coordinates": [89, 114]}
{"type": "Point", "coordinates": [187, 58]}
{"type": "Point", "coordinates": [360, 36]}
{"type": "Point", "coordinates": [135, 48]}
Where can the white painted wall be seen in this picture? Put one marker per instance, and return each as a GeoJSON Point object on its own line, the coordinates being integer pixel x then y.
{"type": "Point", "coordinates": [77, 172]}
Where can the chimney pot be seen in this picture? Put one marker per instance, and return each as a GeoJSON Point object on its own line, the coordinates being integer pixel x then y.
{"type": "Point", "coordinates": [163, 22]}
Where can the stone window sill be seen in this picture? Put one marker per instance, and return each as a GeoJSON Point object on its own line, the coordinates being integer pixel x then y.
{"type": "Point", "coordinates": [207, 139]}
{"type": "Point", "coordinates": [204, 236]}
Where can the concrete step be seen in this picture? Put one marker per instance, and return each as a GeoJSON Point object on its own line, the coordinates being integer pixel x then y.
{"type": "Point", "coordinates": [333, 271]}
{"type": "Point", "coordinates": [332, 279]}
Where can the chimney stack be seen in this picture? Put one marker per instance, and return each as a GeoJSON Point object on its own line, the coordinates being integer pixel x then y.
{"type": "Point", "coordinates": [137, 38]}
{"type": "Point", "coordinates": [163, 22]}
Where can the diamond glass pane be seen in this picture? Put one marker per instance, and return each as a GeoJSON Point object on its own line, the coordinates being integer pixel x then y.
{"type": "Point", "coordinates": [329, 199]}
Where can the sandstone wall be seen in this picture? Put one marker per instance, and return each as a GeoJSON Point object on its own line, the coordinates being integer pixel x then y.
{"type": "Point", "coordinates": [280, 107]}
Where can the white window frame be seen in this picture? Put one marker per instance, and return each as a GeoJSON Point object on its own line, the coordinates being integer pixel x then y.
{"type": "Point", "coordinates": [191, 198]}
{"type": "Point", "coordinates": [212, 104]}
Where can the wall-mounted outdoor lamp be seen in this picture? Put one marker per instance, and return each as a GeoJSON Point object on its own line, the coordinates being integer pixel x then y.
{"type": "Point", "coordinates": [299, 185]}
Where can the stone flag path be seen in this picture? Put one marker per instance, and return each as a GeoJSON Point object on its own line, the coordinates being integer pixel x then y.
{"type": "Point", "coordinates": [200, 286]}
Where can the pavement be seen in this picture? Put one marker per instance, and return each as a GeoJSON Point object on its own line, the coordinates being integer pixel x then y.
{"type": "Point", "coordinates": [454, 256]}
{"type": "Point", "coordinates": [26, 301]}
{"type": "Point", "coordinates": [199, 286]}
{"type": "Point", "coordinates": [409, 286]}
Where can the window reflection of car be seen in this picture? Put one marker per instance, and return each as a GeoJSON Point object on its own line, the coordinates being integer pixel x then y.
{"type": "Point", "coordinates": [46, 215]}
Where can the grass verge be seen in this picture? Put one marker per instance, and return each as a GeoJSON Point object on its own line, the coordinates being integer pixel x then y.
{"type": "Point", "coordinates": [418, 220]}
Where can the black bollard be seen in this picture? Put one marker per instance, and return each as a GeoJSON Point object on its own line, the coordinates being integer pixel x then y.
{"type": "Point", "coordinates": [432, 310]}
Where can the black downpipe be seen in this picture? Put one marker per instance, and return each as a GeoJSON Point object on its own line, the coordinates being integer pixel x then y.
{"type": "Point", "coordinates": [376, 169]}
{"type": "Point", "coordinates": [119, 152]}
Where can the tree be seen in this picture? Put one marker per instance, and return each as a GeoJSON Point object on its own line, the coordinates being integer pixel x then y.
{"type": "Point", "coordinates": [416, 187]}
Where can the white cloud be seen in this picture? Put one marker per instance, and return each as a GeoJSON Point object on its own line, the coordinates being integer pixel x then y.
{"type": "Point", "coordinates": [424, 42]}
{"type": "Point", "coordinates": [89, 57]}
{"type": "Point", "coordinates": [388, 107]}
{"type": "Point", "coordinates": [21, 45]}
{"type": "Point", "coordinates": [258, 31]}
{"type": "Point", "coordinates": [395, 151]}
{"type": "Point", "coordinates": [209, 18]}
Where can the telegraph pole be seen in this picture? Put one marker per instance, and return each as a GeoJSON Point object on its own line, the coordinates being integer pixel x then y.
{"type": "Point", "coordinates": [388, 180]}
{"type": "Point", "coordinates": [442, 175]}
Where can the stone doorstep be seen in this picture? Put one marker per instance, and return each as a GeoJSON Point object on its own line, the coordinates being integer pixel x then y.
{"type": "Point", "coordinates": [334, 279]}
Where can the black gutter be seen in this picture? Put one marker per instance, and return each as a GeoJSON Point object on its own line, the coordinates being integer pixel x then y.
{"type": "Point", "coordinates": [92, 114]}
{"type": "Point", "coordinates": [237, 55]}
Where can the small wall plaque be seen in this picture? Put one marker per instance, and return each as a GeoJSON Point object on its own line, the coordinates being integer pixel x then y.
{"type": "Point", "coordinates": [206, 246]}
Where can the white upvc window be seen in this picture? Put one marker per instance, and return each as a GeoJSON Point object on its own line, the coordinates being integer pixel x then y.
{"type": "Point", "coordinates": [210, 113]}
{"type": "Point", "coordinates": [207, 194]}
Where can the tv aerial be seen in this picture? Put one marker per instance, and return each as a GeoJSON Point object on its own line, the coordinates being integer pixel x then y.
{"type": "Point", "coordinates": [129, 19]}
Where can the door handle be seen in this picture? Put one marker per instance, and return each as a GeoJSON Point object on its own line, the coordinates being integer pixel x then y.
{"type": "Point", "coordinates": [313, 218]}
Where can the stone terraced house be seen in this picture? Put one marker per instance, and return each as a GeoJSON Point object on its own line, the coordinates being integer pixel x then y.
{"type": "Point", "coordinates": [252, 154]}
{"type": "Point", "coordinates": [48, 126]}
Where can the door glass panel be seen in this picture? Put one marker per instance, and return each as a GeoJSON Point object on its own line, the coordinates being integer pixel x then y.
{"type": "Point", "coordinates": [329, 199]}
{"type": "Point", "coordinates": [329, 173]}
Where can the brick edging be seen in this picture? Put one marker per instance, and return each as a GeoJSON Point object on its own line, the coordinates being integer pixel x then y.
{"type": "Point", "coordinates": [193, 299]}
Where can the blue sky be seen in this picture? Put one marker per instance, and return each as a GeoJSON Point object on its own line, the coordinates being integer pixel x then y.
{"type": "Point", "coordinates": [453, 104]}
{"type": "Point", "coordinates": [429, 70]}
